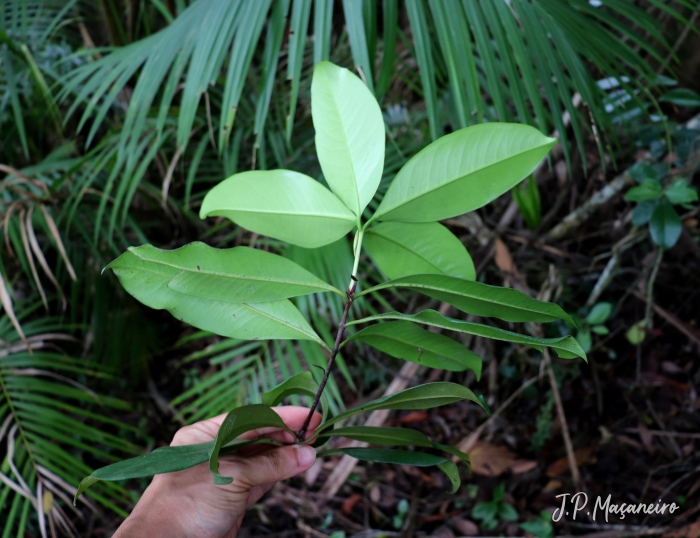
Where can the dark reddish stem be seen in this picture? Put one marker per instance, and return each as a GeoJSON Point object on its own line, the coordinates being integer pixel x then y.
{"type": "Point", "coordinates": [334, 353]}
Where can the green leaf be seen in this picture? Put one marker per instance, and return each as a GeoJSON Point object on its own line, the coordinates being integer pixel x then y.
{"type": "Point", "coordinates": [565, 346]}
{"type": "Point", "coordinates": [650, 189]}
{"type": "Point", "coordinates": [636, 333]}
{"type": "Point", "coordinates": [643, 171]}
{"type": "Point", "coordinates": [665, 225]}
{"type": "Point", "coordinates": [237, 422]}
{"type": "Point", "coordinates": [235, 275]}
{"type": "Point", "coordinates": [499, 491]}
{"type": "Point", "coordinates": [643, 211]}
{"type": "Point", "coordinates": [463, 171]}
{"type": "Point", "coordinates": [480, 299]}
{"type": "Point", "coordinates": [424, 396]}
{"type": "Point", "coordinates": [380, 435]}
{"type": "Point", "coordinates": [600, 329]}
{"type": "Point", "coordinates": [583, 337]}
{"type": "Point", "coordinates": [450, 469]}
{"type": "Point", "coordinates": [599, 313]}
{"type": "Point", "coordinates": [403, 248]}
{"type": "Point", "coordinates": [302, 383]}
{"type": "Point", "coordinates": [402, 457]}
{"type": "Point", "coordinates": [540, 528]}
{"type": "Point", "coordinates": [408, 341]}
{"type": "Point", "coordinates": [455, 452]}
{"type": "Point", "coordinates": [681, 97]}
{"type": "Point", "coordinates": [485, 511]}
{"type": "Point", "coordinates": [167, 459]}
{"type": "Point", "coordinates": [679, 192]}
{"type": "Point", "coordinates": [507, 512]}
{"type": "Point", "coordinates": [162, 460]}
{"type": "Point", "coordinates": [349, 134]}
{"type": "Point", "coordinates": [283, 204]}
{"type": "Point", "coordinates": [148, 282]}
{"type": "Point", "coordinates": [527, 197]}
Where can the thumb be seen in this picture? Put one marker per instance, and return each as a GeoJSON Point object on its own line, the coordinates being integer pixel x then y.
{"type": "Point", "coordinates": [275, 465]}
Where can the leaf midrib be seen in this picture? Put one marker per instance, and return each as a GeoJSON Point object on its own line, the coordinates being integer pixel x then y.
{"type": "Point", "coordinates": [405, 201]}
{"type": "Point", "coordinates": [395, 339]}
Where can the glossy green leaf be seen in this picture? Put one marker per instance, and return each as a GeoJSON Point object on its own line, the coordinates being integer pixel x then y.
{"type": "Point", "coordinates": [148, 282]}
{"type": "Point", "coordinates": [349, 134]}
{"type": "Point", "coordinates": [665, 225]}
{"type": "Point", "coordinates": [679, 192]}
{"type": "Point", "coordinates": [599, 313]}
{"type": "Point", "coordinates": [235, 275]}
{"type": "Point", "coordinates": [463, 171]}
{"type": "Point", "coordinates": [302, 383]}
{"type": "Point", "coordinates": [382, 435]}
{"type": "Point", "coordinates": [682, 97]}
{"type": "Point", "coordinates": [283, 204]}
{"type": "Point", "coordinates": [566, 346]}
{"type": "Point", "coordinates": [424, 396]}
{"type": "Point", "coordinates": [402, 457]}
{"type": "Point", "coordinates": [642, 212]}
{"type": "Point", "coordinates": [408, 341]}
{"type": "Point", "coordinates": [410, 248]}
{"type": "Point", "coordinates": [480, 299]}
{"type": "Point", "coordinates": [650, 189]}
{"type": "Point", "coordinates": [455, 452]}
{"type": "Point", "coordinates": [167, 459]}
{"type": "Point", "coordinates": [237, 422]}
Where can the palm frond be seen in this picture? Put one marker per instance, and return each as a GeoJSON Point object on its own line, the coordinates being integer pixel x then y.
{"type": "Point", "coordinates": [50, 425]}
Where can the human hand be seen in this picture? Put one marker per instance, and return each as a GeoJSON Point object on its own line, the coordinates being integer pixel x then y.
{"type": "Point", "coordinates": [187, 504]}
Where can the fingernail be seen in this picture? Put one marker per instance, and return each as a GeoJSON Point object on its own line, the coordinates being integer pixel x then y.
{"type": "Point", "coordinates": [305, 455]}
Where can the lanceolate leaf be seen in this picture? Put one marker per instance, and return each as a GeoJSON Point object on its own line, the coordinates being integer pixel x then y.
{"type": "Point", "coordinates": [566, 346]}
{"type": "Point", "coordinates": [408, 341]}
{"type": "Point", "coordinates": [237, 422]}
{"type": "Point", "coordinates": [283, 204]}
{"type": "Point", "coordinates": [424, 396]}
{"type": "Point", "coordinates": [380, 435]}
{"type": "Point", "coordinates": [411, 248]}
{"type": "Point", "coordinates": [166, 459]}
{"type": "Point", "coordinates": [148, 282]}
{"type": "Point", "coordinates": [349, 134]}
{"type": "Point", "coordinates": [463, 171]}
{"type": "Point", "coordinates": [479, 299]}
{"type": "Point", "coordinates": [235, 275]}
{"type": "Point", "coordinates": [402, 457]}
{"type": "Point", "coordinates": [302, 383]}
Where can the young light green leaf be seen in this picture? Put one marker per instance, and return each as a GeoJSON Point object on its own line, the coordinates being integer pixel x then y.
{"type": "Point", "coordinates": [235, 275]}
{"type": "Point", "coordinates": [424, 396]}
{"type": "Point", "coordinates": [148, 282]}
{"type": "Point", "coordinates": [649, 189]}
{"type": "Point", "coordinates": [679, 192]}
{"type": "Point", "coordinates": [283, 204]}
{"type": "Point", "coordinates": [302, 383]}
{"type": "Point", "coordinates": [463, 171]}
{"type": "Point", "coordinates": [665, 225]}
{"type": "Point", "coordinates": [349, 134]}
{"type": "Point", "coordinates": [410, 248]}
{"type": "Point", "coordinates": [237, 422]}
{"type": "Point", "coordinates": [599, 313]}
{"type": "Point", "coordinates": [408, 341]}
{"type": "Point", "coordinates": [480, 299]}
{"type": "Point", "coordinates": [566, 346]}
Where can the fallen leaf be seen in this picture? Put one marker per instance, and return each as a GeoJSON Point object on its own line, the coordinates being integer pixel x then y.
{"type": "Point", "coordinates": [583, 456]}
{"type": "Point", "coordinates": [523, 466]}
{"type": "Point", "coordinates": [646, 438]}
{"type": "Point", "coordinates": [504, 260]}
{"type": "Point", "coordinates": [375, 494]}
{"type": "Point", "coordinates": [413, 416]}
{"type": "Point", "coordinates": [465, 527]}
{"type": "Point", "coordinates": [443, 532]}
{"type": "Point", "coordinates": [350, 502]}
{"type": "Point", "coordinates": [552, 485]}
{"type": "Point", "coordinates": [689, 531]}
{"type": "Point", "coordinates": [490, 460]}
